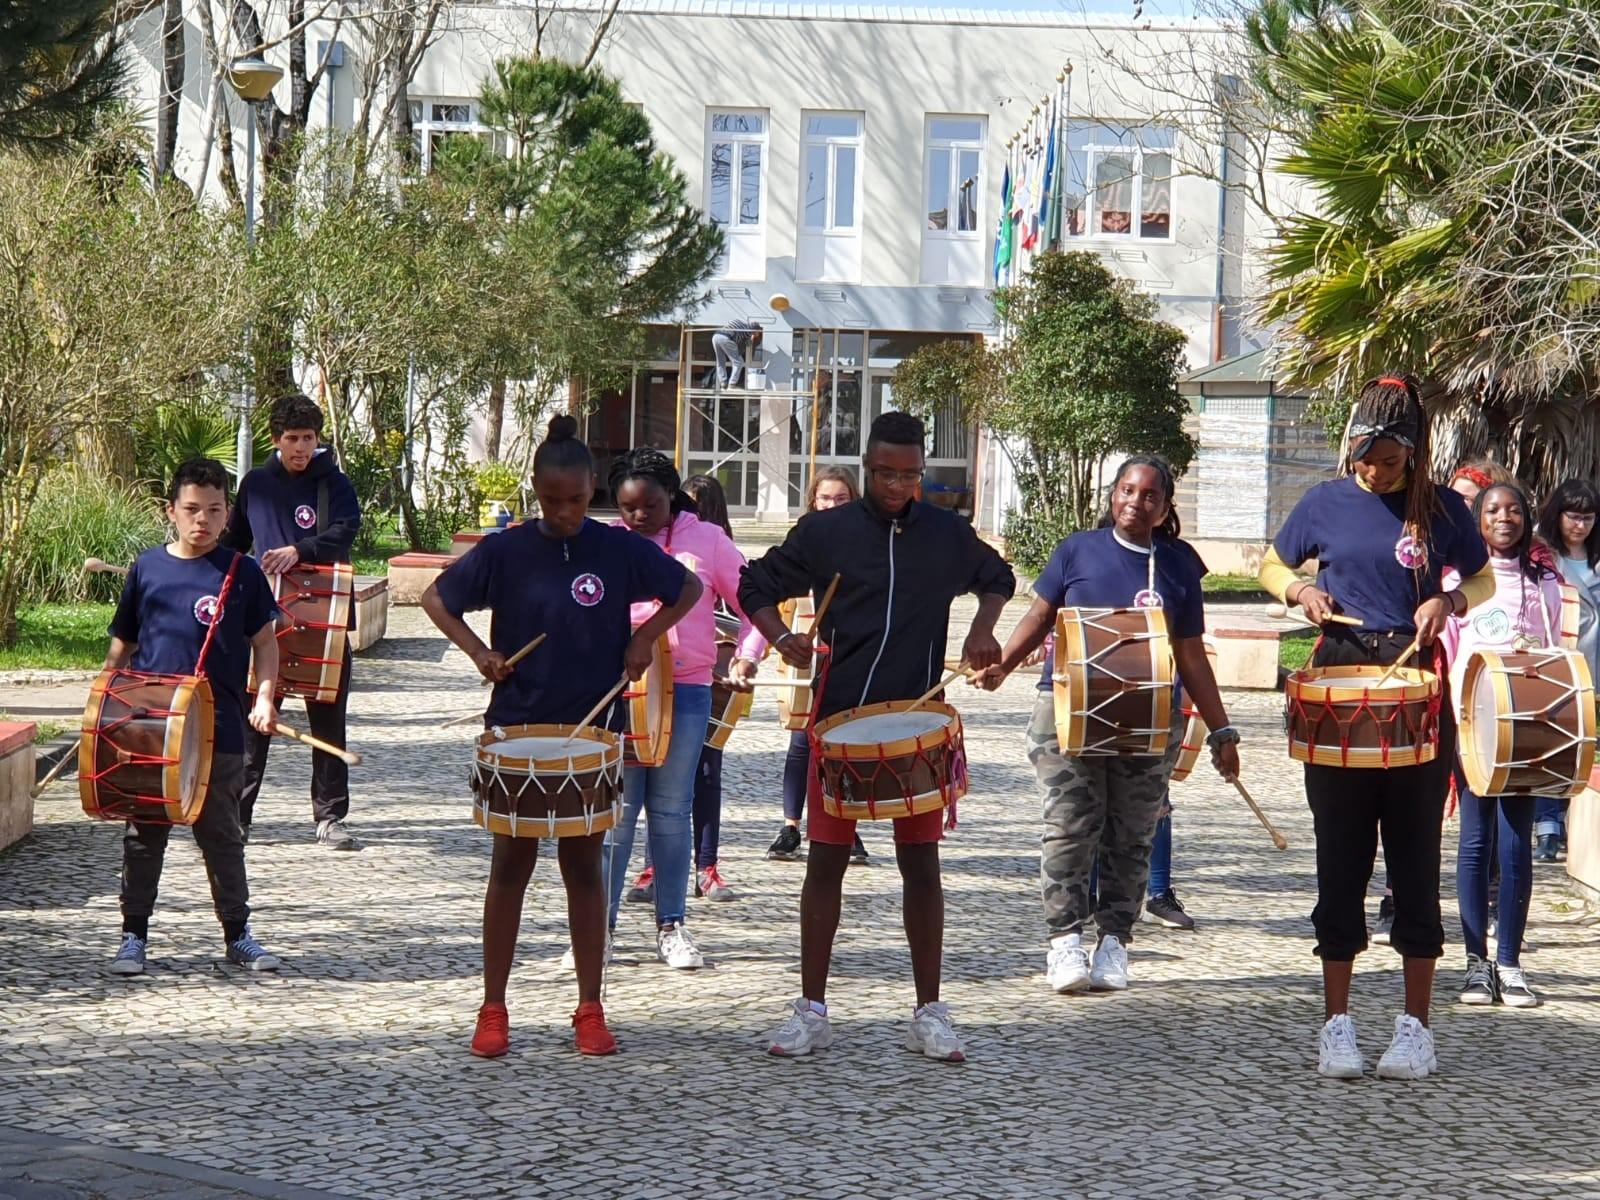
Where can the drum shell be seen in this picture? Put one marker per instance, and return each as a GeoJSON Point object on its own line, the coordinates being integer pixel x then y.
{"type": "Point", "coordinates": [1194, 729]}
{"type": "Point", "coordinates": [650, 711]}
{"type": "Point", "coordinates": [728, 707]}
{"type": "Point", "coordinates": [889, 780]}
{"type": "Point", "coordinates": [523, 798]}
{"type": "Point", "coordinates": [1544, 720]}
{"type": "Point", "coordinates": [797, 706]}
{"type": "Point", "coordinates": [1113, 682]}
{"type": "Point", "coordinates": [317, 598]}
{"type": "Point", "coordinates": [1333, 722]}
{"type": "Point", "coordinates": [177, 732]}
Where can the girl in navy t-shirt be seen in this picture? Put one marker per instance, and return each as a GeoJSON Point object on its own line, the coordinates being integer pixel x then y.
{"type": "Point", "coordinates": [1382, 535]}
{"type": "Point", "coordinates": [573, 580]}
{"type": "Point", "coordinates": [1107, 806]}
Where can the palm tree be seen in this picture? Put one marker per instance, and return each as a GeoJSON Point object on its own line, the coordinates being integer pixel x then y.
{"type": "Point", "coordinates": [59, 67]}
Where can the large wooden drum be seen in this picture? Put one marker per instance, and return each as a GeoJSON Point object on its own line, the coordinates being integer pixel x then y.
{"type": "Point", "coordinates": [884, 761]}
{"type": "Point", "coordinates": [1194, 729]}
{"type": "Point", "coordinates": [317, 599]}
{"type": "Point", "coordinates": [728, 707]}
{"type": "Point", "coordinates": [1113, 681]}
{"type": "Point", "coordinates": [144, 751]}
{"type": "Point", "coordinates": [528, 781]}
{"type": "Point", "coordinates": [1342, 717]}
{"type": "Point", "coordinates": [650, 711]}
{"type": "Point", "coordinates": [797, 705]}
{"type": "Point", "coordinates": [1527, 723]}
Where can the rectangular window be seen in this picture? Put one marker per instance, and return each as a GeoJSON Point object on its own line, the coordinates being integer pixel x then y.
{"type": "Point", "coordinates": [831, 151]}
{"type": "Point", "coordinates": [735, 150]}
{"type": "Point", "coordinates": [954, 175]}
{"type": "Point", "coordinates": [1118, 181]}
{"type": "Point", "coordinates": [435, 122]}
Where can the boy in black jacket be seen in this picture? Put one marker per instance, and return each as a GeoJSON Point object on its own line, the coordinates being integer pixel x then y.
{"type": "Point", "coordinates": [901, 564]}
{"type": "Point", "coordinates": [299, 507]}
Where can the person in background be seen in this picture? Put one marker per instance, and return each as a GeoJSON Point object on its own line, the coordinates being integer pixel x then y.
{"type": "Point", "coordinates": [1567, 525]}
{"type": "Point", "coordinates": [730, 344]}
{"type": "Point", "coordinates": [830, 488]}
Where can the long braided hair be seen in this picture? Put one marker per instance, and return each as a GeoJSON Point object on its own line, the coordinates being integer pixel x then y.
{"type": "Point", "coordinates": [1390, 408]}
{"type": "Point", "coordinates": [646, 462]}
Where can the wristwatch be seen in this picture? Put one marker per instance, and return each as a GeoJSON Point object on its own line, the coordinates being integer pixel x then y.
{"type": "Point", "coordinates": [1218, 738]}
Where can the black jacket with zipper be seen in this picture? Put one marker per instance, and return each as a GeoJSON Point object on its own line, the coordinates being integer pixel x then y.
{"type": "Point", "coordinates": [898, 577]}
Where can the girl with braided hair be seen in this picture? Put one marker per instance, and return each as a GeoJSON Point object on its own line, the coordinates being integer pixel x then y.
{"type": "Point", "coordinates": [653, 504]}
{"type": "Point", "coordinates": [1382, 536]}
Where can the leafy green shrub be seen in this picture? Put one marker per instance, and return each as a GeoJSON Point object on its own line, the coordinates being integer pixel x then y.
{"type": "Point", "coordinates": [497, 481]}
{"type": "Point", "coordinates": [174, 433]}
{"type": "Point", "coordinates": [1032, 536]}
{"type": "Point", "coordinates": [370, 462]}
{"type": "Point", "coordinates": [79, 516]}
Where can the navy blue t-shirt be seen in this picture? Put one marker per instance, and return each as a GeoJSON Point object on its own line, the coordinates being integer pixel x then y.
{"type": "Point", "coordinates": [166, 608]}
{"type": "Point", "coordinates": [1366, 556]}
{"type": "Point", "coordinates": [577, 591]}
{"type": "Point", "coordinates": [1093, 569]}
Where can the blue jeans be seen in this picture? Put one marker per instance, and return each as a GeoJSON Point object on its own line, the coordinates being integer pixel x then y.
{"type": "Point", "coordinates": [707, 807]}
{"type": "Point", "coordinates": [1480, 816]}
{"type": "Point", "coordinates": [1549, 817]}
{"type": "Point", "coordinates": [667, 794]}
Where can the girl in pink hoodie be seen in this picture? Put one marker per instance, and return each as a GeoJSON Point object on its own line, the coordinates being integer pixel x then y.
{"type": "Point", "coordinates": [1524, 613]}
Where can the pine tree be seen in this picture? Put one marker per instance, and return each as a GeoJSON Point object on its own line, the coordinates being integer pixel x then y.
{"type": "Point", "coordinates": [59, 66]}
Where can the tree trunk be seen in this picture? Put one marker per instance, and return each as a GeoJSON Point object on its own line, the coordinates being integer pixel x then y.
{"type": "Point", "coordinates": [494, 421]}
{"type": "Point", "coordinates": [171, 99]}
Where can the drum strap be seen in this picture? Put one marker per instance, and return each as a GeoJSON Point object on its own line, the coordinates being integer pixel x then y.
{"type": "Point", "coordinates": [322, 506]}
{"type": "Point", "coordinates": [216, 617]}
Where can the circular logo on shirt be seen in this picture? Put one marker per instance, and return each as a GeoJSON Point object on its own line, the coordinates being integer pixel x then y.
{"type": "Point", "coordinates": [305, 516]}
{"type": "Point", "coordinates": [205, 609]}
{"type": "Point", "coordinates": [1408, 552]}
{"type": "Point", "coordinates": [587, 589]}
{"type": "Point", "coordinates": [1147, 598]}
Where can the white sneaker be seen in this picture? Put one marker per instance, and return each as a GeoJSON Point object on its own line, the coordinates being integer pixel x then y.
{"type": "Point", "coordinates": [1514, 989]}
{"type": "Point", "coordinates": [1410, 1055]}
{"type": "Point", "coordinates": [1067, 966]}
{"type": "Point", "coordinates": [932, 1036]}
{"type": "Point", "coordinates": [805, 1030]}
{"type": "Point", "coordinates": [569, 961]}
{"type": "Point", "coordinates": [1338, 1056]}
{"type": "Point", "coordinates": [677, 949]}
{"type": "Point", "coordinates": [1110, 970]}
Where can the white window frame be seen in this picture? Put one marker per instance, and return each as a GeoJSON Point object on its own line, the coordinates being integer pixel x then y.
{"type": "Point", "coordinates": [425, 126]}
{"type": "Point", "coordinates": [953, 147]}
{"type": "Point", "coordinates": [1093, 152]}
{"type": "Point", "coordinates": [736, 190]}
{"type": "Point", "coordinates": [830, 144]}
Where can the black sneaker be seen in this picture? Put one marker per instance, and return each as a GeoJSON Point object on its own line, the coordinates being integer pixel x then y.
{"type": "Point", "coordinates": [786, 846]}
{"type": "Point", "coordinates": [1385, 925]}
{"type": "Point", "coordinates": [858, 853]}
{"type": "Point", "coordinates": [1482, 986]}
{"type": "Point", "coordinates": [1545, 848]}
{"type": "Point", "coordinates": [1166, 909]}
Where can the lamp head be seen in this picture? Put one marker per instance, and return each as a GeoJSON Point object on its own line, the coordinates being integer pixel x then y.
{"type": "Point", "coordinates": [253, 77]}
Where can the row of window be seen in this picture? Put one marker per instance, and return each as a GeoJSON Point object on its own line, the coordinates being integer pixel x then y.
{"type": "Point", "coordinates": [1116, 184]}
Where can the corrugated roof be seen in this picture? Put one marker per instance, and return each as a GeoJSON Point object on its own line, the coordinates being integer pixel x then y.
{"type": "Point", "coordinates": [917, 14]}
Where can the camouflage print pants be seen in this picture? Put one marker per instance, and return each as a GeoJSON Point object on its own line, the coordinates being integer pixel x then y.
{"type": "Point", "coordinates": [1096, 807]}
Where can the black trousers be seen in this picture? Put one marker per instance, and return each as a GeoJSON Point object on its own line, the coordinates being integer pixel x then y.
{"type": "Point", "coordinates": [144, 850]}
{"type": "Point", "coordinates": [1352, 807]}
{"type": "Point", "coordinates": [330, 777]}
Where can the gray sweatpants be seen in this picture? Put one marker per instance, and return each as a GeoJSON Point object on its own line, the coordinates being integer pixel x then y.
{"type": "Point", "coordinates": [1100, 808]}
{"type": "Point", "coordinates": [730, 359]}
{"type": "Point", "coordinates": [144, 849]}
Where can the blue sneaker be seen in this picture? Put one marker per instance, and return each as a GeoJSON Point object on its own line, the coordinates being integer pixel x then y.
{"type": "Point", "coordinates": [130, 956]}
{"type": "Point", "coordinates": [250, 954]}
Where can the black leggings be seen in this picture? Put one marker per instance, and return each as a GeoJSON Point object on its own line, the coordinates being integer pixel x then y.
{"type": "Point", "coordinates": [796, 768]}
{"type": "Point", "coordinates": [1352, 807]}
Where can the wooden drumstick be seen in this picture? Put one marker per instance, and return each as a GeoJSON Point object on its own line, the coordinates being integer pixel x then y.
{"type": "Point", "coordinates": [595, 711]}
{"type": "Point", "coordinates": [781, 683]}
{"type": "Point", "coordinates": [350, 757]}
{"type": "Point", "coordinates": [100, 566]}
{"type": "Point", "coordinates": [938, 687]}
{"type": "Point", "coordinates": [1278, 839]}
{"type": "Point", "coordinates": [822, 609]}
{"type": "Point", "coordinates": [53, 773]}
{"type": "Point", "coordinates": [518, 656]}
{"type": "Point", "coordinates": [1388, 673]}
{"type": "Point", "coordinates": [462, 719]}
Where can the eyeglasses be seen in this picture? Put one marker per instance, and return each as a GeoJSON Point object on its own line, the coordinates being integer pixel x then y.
{"type": "Point", "coordinates": [1579, 518]}
{"type": "Point", "coordinates": [887, 477]}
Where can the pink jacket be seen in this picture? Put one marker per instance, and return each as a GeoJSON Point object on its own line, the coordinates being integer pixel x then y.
{"type": "Point", "coordinates": [710, 553]}
{"type": "Point", "coordinates": [1518, 608]}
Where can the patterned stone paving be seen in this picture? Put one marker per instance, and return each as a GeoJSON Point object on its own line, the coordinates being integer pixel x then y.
{"type": "Point", "coordinates": [348, 1073]}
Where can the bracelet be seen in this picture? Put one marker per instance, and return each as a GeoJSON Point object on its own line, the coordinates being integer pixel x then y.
{"type": "Point", "coordinates": [1218, 738]}
{"type": "Point", "coordinates": [784, 637]}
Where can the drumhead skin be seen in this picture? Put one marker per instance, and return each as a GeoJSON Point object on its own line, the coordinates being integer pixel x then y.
{"type": "Point", "coordinates": [795, 705]}
{"type": "Point", "coordinates": [145, 747]}
{"type": "Point", "coordinates": [1527, 723]}
{"type": "Point", "coordinates": [885, 727]}
{"type": "Point", "coordinates": [527, 781]}
{"type": "Point", "coordinates": [1342, 717]}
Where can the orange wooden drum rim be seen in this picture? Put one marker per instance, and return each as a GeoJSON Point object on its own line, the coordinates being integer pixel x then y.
{"type": "Point", "coordinates": [1194, 729]}
{"type": "Point", "coordinates": [797, 705]}
{"type": "Point", "coordinates": [649, 748]}
{"type": "Point", "coordinates": [590, 761]}
{"type": "Point", "coordinates": [191, 700]}
{"type": "Point", "coordinates": [1322, 686]}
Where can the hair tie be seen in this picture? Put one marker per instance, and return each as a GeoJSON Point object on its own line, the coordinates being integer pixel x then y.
{"type": "Point", "coordinates": [1481, 478]}
{"type": "Point", "coordinates": [1393, 381]}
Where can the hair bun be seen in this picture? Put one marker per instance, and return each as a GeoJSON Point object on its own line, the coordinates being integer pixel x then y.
{"type": "Point", "coordinates": [563, 427]}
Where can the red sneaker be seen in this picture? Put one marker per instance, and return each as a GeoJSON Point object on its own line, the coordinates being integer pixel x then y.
{"type": "Point", "coordinates": [593, 1036]}
{"type": "Point", "coordinates": [494, 1032]}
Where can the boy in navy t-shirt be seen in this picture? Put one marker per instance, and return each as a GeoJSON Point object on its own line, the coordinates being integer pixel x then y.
{"type": "Point", "coordinates": [169, 602]}
{"type": "Point", "coordinates": [299, 507]}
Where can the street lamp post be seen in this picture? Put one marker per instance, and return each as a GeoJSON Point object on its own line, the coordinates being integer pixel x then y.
{"type": "Point", "coordinates": [253, 79]}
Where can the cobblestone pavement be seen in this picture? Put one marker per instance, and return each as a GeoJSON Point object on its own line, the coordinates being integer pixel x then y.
{"type": "Point", "coordinates": [348, 1072]}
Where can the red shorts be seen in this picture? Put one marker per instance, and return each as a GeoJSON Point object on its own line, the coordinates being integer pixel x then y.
{"type": "Point", "coordinates": [828, 830]}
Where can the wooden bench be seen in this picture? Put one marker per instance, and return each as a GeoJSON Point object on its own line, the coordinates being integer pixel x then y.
{"type": "Point", "coordinates": [16, 781]}
{"type": "Point", "coordinates": [411, 573]}
{"type": "Point", "coordinates": [372, 611]}
{"type": "Point", "coordinates": [1247, 654]}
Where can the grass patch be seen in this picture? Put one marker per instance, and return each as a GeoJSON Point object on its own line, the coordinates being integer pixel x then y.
{"type": "Point", "coordinates": [1294, 648]}
{"type": "Point", "coordinates": [376, 561]}
{"type": "Point", "coordinates": [1237, 589]}
{"type": "Point", "coordinates": [59, 637]}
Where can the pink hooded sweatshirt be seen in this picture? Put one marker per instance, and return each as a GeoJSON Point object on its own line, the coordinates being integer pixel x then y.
{"type": "Point", "coordinates": [1519, 608]}
{"type": "Point", "coordinates": [710, 553]}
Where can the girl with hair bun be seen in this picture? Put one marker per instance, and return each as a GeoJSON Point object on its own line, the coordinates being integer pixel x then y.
{"type": "Point", "coordinates": [1382, 536]}
{"type": "Point", "coordinates": [573, 580]}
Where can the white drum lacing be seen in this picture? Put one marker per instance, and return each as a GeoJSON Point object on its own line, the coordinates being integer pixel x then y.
{"type": "Point", "coordinates": [489, 766]}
